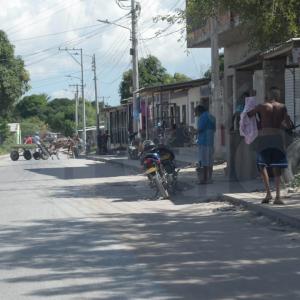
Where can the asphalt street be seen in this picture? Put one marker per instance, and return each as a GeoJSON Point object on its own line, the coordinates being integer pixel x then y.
{"type": "Point", "coordinates": [79, 229]}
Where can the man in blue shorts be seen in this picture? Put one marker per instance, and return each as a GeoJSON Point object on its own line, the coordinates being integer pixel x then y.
{"type": "Point", "coordinates": [270, 141]}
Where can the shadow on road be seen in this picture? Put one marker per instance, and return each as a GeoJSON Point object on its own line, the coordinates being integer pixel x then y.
{"type": "Point", "coordinates": [99, 170]}
{"type": "Point", "coordinates": [152, 256]}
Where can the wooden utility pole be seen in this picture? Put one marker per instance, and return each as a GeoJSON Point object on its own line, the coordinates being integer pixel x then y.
{"type": "Point", "coordinates": [96, 99]}
{"type": "Point", "coordinates": [82, 88]}
{"type": "Point", "coordinates": [76, 106]}
{"type": "Point", "coordinates": [135, 68]}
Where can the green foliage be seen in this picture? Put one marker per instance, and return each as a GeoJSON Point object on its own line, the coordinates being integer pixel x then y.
{"type": "Point", "coordinates": [38, 113]}
{"type": "Point", "coordinates": [296, 182]}
{"type": "Point", "coordinates": [90, 111]}
{"type": "Point", "coordinates": [33, 105]}
{"type": "Point", "coordinates": [207, 74]}
{"type": "Point", "coordinates": [31, 125]}
{"type": "Point", "coordinates": [61, 116]}
{"type": "Point", "coordinates": [13, 76]}
{"type": "Point", "coordinates": [4, 130]}
{"type": "Point", "coordinates": [266, 23]}
{"type": "Point", "coordinates": [5, 147]}
{"type": "Point", "coordinates": [151, 73]}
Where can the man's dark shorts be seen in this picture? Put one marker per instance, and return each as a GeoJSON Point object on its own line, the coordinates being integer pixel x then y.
{"type": "Point", "coordinates": [272, 158]}
{"type": "Point", "coordinates": [271, 153]}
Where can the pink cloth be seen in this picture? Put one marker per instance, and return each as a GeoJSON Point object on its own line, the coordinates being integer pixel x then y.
{"type": "Point", "coordinates": [248, 126]}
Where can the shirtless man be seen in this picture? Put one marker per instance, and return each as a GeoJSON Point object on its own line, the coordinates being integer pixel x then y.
{"type": "Point", "coordinates": [271, 150]}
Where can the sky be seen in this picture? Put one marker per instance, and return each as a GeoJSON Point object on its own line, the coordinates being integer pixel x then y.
{"type": "Point", "coordinates": [38, 28]}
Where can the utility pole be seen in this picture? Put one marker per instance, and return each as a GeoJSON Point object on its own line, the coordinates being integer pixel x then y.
{"type": "Point", "coordinates": [82, 89]}
{"type": "Point", "coordinates": [215, 81]}
{"type": "Point", "coordinates": [76, 106]}
{"type": "Point", "coordinates": [96, 100]}
{"type": "Point", "coordinates": [135, 68]}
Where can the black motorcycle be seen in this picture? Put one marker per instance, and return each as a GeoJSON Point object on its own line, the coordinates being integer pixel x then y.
{"type": "Point", "coordinates": [159, 166]}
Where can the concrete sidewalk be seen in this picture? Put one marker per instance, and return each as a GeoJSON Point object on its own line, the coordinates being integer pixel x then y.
{"type": "Point", "coordinates": [247, 193]}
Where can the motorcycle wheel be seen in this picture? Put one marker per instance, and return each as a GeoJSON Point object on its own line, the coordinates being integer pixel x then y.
{"type": "Point", "coordinates": [159, 185]}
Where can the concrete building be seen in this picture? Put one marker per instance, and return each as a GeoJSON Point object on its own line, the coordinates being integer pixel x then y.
{"type": "Point", "coordinates": [244, 70]}
{"type": "Point", "coordinates": [161, 106]}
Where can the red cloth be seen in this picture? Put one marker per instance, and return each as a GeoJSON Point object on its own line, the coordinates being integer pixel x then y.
{"type": "Point", "coordinates": [28, 140]}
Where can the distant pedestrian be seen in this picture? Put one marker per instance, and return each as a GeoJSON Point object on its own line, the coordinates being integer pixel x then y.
{"type": "Point", "coordinates": [36, 139]}
{"type": "Point", "coordinates": [105, 138]}
{"type": "Point", "coordinates": [270, 142]}
{"type": "Point", "coordinates": [99, 142]}
{"type": "Point", "coordinates": [206, 128]}
{"type": "Point", "coordinates": [28, 140]}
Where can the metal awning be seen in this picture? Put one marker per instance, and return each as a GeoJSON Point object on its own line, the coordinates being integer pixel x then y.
{"type": "Point", "coordinates": [253, 62]}
{"type": "Point", "coordinates": [282, 49]}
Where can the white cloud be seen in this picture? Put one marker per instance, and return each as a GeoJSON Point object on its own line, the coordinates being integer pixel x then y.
{"type": "Point", "coordinates": [62, 94]}
{"type": "Point", "coordinates": [31, 18]}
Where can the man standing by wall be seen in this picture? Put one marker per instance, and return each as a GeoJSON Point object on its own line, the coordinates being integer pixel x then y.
{"type": "Point", "coordinates": [270, 142]}
{"type": "Point", "coordinates": [206, 131]}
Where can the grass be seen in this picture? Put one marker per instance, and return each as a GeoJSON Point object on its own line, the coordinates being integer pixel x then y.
{"type": "Point", "coordinates": [296, 181]}
{"type": "Point", "coordinates": [6, 146]}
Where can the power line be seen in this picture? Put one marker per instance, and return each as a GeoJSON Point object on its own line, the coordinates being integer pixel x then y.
{"type": "Point", "coordinates": [56, 33]}
{"type": "Point", "coordinates": [37, 21]}
{"type": "Point", "coordinates": [159, 35]}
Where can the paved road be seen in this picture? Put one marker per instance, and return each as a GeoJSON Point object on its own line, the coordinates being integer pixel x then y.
{"type": "Point", "coordinates": [76, 229]}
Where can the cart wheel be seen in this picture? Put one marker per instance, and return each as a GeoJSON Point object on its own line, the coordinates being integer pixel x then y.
{"type": "Point", "coordinates": [27, 154]}
{"type": "Point", "coordinates": [14, 155]}
{"type": "Point", "coordinates": [36, 155]}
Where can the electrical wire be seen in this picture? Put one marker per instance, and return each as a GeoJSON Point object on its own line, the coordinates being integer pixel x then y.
{"type": "Point", "coordinates": [43, 19]}
{"type": "Point", "coordinates": [57, 33]}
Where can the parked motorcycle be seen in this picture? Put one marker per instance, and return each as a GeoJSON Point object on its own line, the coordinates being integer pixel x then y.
{"type": "Point", "coordinates": [159, 166]}
{"type": "Point", "coordinates": [133, 151]}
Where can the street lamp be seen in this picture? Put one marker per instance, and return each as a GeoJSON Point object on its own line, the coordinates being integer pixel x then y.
{"type": "Point", "coordinates": [116, 24]}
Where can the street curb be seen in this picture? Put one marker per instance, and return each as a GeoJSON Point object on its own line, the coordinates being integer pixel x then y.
{"type": "Point", "coordinates": [262, 210]}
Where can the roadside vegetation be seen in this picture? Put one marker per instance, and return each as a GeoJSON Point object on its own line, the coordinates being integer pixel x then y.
{"type": "Point", "coordinates": [36, 112]}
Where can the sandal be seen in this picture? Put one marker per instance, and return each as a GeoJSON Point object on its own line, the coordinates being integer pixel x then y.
{"type": "Point", "coordinates": [278, 201]}
{"type": "Point", "coordinates": [266, 200]}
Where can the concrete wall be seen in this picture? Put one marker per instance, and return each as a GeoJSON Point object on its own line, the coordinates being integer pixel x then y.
{"type": "Point", "coordinates": [274, 71]}
{"type": "Point", "coordinates": [235, 83]}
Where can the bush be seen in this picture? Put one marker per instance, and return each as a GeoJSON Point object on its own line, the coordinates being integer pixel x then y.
{"type": "Point", "coordinates": [5, 148]}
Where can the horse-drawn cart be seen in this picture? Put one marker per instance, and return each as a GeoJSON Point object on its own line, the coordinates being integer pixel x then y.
{"type": "Point", "coordinates": [24, 150]}
{"type": "Point", "coordinates": [28, 151]}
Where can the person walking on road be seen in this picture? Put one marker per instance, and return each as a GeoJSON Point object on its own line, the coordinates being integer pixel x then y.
{"type": "Point", "coordinates": [206, 132]}
{"type": "Point", "coordinates": [270, 141]}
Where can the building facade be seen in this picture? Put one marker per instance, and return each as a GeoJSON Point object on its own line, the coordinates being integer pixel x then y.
{"type": "Point", "coordinates": [244, 70]}
{"type": "Point", "coordinates": [161, 109]}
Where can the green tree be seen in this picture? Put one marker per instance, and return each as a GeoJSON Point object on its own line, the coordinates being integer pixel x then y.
{"type": "Point", "coordinates": [31, 125]}
{"type": "Point", "coordinates": [151, 73]}
{"type": "Point", "coordinates": [33, 105]}
{"type": "Point", "coordinates": [61, 116]}
{"type": "Point", "coordinates": [207, 74]}
{"type": "Point", "coordinates": [4, 131]}
{"type": "Point", "coordinates": [13, 76]}
{"type": "Point", "coordinates": [266, 23]}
